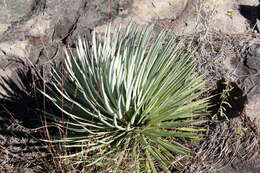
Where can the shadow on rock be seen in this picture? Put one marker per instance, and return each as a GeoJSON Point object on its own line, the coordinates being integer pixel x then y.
{"type": "Point", "coordinates": [251, 13]}
{"type": "Point", "coordinates": [228, 100]}
{"type": "Point", "coordinates": [21, 103]}
{"type": "Point", "coordinates": [20, 100]}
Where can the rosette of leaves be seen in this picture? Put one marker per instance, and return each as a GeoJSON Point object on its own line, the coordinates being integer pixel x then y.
{"type": "Point", "coordinates": [129, 96]}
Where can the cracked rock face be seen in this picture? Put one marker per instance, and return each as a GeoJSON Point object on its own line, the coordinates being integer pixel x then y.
{"type": "Point", "coordinates": [253, 64]}
{"type": "Point", "coordinates": [146, 11]}
{"type": "Point", "coordinates": [12, 11]}
{"type": "Point", "coordinates": [39, 29]}
{"type": "Point", "coordinates": [245, 68]}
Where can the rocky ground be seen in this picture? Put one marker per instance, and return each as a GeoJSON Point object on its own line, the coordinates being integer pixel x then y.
{"type": "Point", "coordinates": [225, 34]}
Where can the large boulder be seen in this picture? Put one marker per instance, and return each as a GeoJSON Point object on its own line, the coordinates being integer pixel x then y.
{"type": "Point", "coordinates": [36, 31]}
{"type": "Point", "coordinates": [244, 67]}
{"type": "Point", "coordinates": [144, 12]}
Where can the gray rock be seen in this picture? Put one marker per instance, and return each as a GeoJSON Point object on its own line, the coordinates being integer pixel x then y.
{"type": "Point", "coordinates": [253, 109]}
{"type": "Point", "coordinates": [253, 58]}
{"type": "Point", "coordinates": [12, 11]}
{"type": "Point", "coordinates": [254, 62]}
{"type": "Point", "coordinates": [245, 67]}
{"type": "Point", "coordinates": [147, 11]}
{"type": "Point", "coordinates": [36, 31]}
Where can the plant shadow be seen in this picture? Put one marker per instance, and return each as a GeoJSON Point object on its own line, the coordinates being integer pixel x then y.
{"type": "Point", "coordinates": [227, 99]}
{"type": "Point", "coordinates": [21, 119]}
{"type": "Point", "coordinates": [20, 99]}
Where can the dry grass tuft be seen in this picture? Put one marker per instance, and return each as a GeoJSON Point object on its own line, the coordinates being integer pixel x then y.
{"type": "Point", "coordinates": [232, 142]}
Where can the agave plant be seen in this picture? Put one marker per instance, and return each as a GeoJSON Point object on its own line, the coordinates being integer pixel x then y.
{"type": "Point", "coordinates": [129, 96]}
